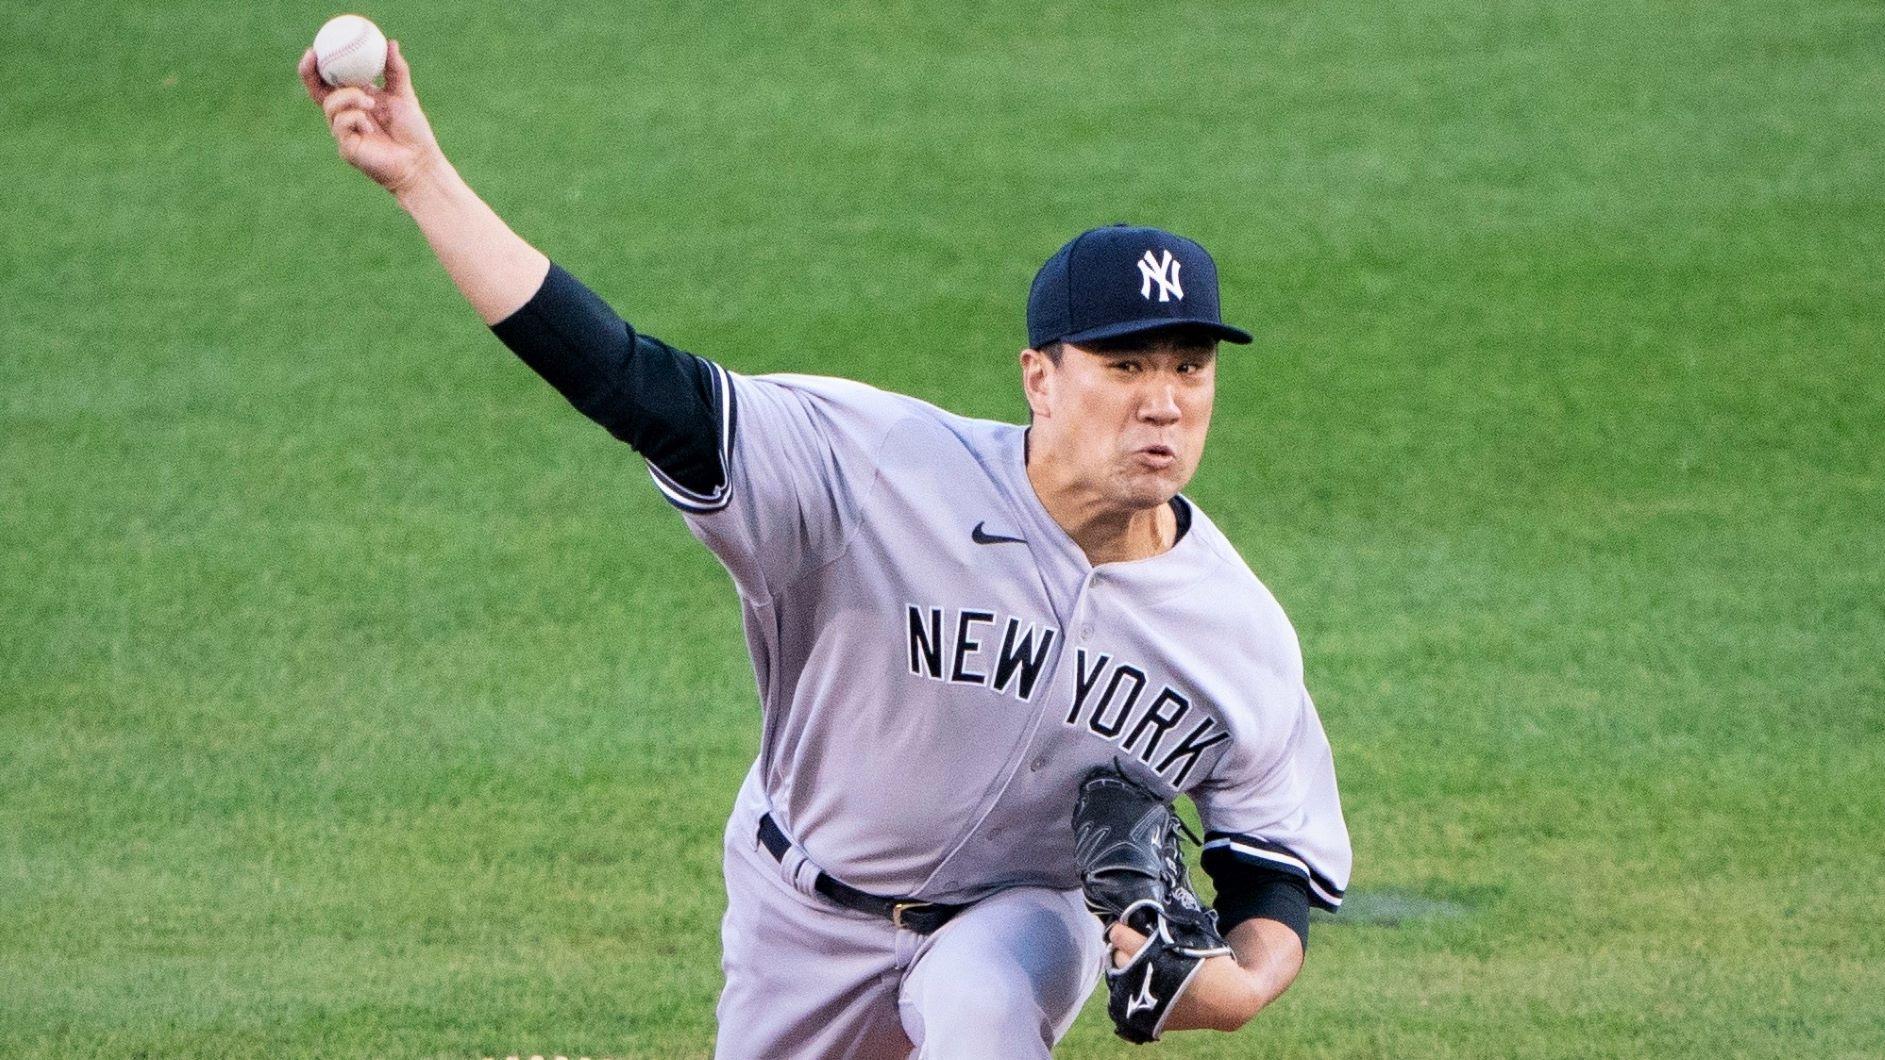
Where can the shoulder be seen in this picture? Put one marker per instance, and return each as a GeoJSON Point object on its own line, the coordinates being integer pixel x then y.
{"type": "Point", "coordinates": [826, 387]}
{"type": "Point", "coordinates": [1261, 626]}
{"type": "Point", "coordinates": [1248, 663]}
{"type": "Point", "coordinates": [876, 417]}
{"type": "Point", "coordinates": [837, 393]}
{"type": "Point", "coordinates": [836, 398]}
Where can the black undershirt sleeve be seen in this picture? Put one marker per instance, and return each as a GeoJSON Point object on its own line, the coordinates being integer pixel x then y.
{"type": "Point", "coordinates": [662, 401]}
{"type": "Point", "coordinates": [1245, 892]}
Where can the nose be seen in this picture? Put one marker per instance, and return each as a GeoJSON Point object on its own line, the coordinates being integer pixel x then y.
{"type": "Point", "coordinates": [1159, 404]}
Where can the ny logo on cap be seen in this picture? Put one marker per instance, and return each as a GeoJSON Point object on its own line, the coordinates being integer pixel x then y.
{"type": "Point", "coordinates": [1162, 272]}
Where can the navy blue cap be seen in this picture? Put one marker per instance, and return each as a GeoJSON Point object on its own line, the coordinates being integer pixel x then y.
{"type": "Point", "coordinates": [1111, 282]}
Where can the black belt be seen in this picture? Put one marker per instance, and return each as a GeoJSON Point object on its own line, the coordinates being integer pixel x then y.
{"type": "Point", "coordinates": [906, 913]}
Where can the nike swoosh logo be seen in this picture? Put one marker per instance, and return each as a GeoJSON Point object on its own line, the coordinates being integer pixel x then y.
{"type": "Point", "coordinates": [983, 537]}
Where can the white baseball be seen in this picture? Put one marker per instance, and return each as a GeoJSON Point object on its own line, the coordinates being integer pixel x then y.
{"type": "Point", "coordinates": [350, 50]}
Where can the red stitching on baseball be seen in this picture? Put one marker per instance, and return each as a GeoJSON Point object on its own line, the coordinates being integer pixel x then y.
{"type": "Point", "coordinates": [348, 47]}
{"type": "Point", "coordinates": [358, 40]}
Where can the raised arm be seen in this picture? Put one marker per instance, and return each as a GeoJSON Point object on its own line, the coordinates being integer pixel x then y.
{"type": "Point", "coordinates": [383, 133]}
{"type": "Point", "coordinates": [672, 407]}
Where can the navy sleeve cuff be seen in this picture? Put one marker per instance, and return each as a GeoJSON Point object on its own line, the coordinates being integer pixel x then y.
{"type": "Point", "coordinates": [674, 408]}
{"type": "Point", "coordinates": [1245, 893]}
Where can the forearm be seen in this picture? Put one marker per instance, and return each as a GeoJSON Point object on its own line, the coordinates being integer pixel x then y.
{"type": "Point", "coordinates": [491, 265]}
{"type": "Point", "coordinates": [1228, 991]}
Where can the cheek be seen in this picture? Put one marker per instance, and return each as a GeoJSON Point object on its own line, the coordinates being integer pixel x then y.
{"type": "Point", "coordinates": [1199, 425]}
{"type": "Point", "coordinates": [1198, 411]}
{"type": "Point", "coordinates": [1102, 416]}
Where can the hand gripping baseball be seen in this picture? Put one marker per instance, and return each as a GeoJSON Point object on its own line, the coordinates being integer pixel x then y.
{"type": "Point", "coordinates": [1126, 846]}
{"type": "Point", "coordinates": [382, 132]}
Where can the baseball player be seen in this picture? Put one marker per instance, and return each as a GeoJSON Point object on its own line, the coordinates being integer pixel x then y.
{"type": "Point", "coordinates": [954, 624]}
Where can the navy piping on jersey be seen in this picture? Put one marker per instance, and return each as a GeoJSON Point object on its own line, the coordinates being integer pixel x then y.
{"type": "Point", "coordinates": [1181, 511]}
{"type": "Point", "coordinates": [1256, 850]}
{"type": "Point", "coordinates": [727, 425]}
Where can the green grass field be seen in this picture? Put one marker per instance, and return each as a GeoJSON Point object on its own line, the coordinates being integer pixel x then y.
{"type": "Point", "coordinates": [359, 698]}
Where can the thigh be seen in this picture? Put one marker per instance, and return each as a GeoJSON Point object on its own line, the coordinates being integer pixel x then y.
{"type": "Point", "coordinates": [1005, 977]}
{"type": "Point", "coordinates": [802, 979]}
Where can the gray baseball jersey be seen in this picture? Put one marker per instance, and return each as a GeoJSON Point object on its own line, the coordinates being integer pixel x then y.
{"type": "Point", "coordinates": [939, 664]}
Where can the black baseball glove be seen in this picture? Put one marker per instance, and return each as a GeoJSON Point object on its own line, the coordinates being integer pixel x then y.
{"type": "Point", "coordinates": [1126, 844]}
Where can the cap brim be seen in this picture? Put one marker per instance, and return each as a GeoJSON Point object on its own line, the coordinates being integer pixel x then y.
{"type": "Point", "coordinates": [1139, 327]}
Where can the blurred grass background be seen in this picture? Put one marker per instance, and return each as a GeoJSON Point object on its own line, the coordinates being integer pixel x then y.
{"type": "Point", "coordinates": [358, 698]}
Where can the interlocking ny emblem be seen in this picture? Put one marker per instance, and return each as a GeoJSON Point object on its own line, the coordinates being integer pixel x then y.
{"type": "Point", "coordinates": [1162, 272]}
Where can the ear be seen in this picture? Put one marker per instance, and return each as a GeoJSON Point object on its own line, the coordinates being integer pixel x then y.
{"type": "Point", "coordinates": [1037, 381]}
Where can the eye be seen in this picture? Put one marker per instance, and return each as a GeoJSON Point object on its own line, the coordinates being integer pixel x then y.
{"type": "Point", "coordinates": [1127, 366]}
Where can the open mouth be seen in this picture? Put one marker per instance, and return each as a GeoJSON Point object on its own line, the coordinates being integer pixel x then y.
{"type": "Point", "coordinates": [1157, 456]}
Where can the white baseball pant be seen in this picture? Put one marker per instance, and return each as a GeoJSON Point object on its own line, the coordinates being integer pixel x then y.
{"type": "Point", "coordinates": [807, 978]}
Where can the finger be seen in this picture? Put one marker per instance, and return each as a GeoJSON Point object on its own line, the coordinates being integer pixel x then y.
{"type": "Point", "coordinates": [348, 98]}
{"type": "Point", "coordinates": [350, 138]}
{"type": "Point", "coordinates": [318, 89]}
{"type": "Point", "coordinates": [398, 74]}
{"type": "Point", "coordinates": [354, 123]}
{"type": "Point", "coordinates": [1123, 943]}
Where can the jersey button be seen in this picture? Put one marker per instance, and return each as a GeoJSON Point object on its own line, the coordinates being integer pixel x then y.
{"type": "Point", "coordinates": [1039, 763]}
{"type": "Point", "coordinates": [1086, 631]}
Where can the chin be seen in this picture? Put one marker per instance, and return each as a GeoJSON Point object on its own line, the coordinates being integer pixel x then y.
{"type": "Point", "coordinates": [1149, 491]}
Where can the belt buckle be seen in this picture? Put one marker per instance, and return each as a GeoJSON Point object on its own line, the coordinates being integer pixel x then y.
{"type": "Point", "coordinates": [897, 909]}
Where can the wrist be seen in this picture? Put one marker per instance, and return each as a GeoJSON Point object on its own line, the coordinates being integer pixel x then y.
{"type": "Point", "coordinates": [433, 179]}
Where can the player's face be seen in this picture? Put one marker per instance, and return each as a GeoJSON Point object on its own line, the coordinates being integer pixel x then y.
{"type": "Point", "coordinates": [1127, 422]}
